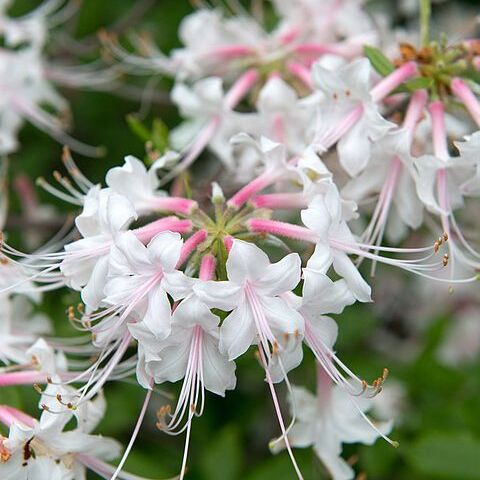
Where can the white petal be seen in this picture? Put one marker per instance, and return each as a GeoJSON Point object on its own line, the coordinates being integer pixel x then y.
{"type": "Point", "coordinates": [218, 371]}
{"type": "Point", "coordinates": [223, 295]}
{"type": "Point", "coordinates": [237, 332]}
{"type": "Point", "coordinates": [280, 277]}
{"type": "Point", "coordinates": [93, 292]}
{"type": "Point", "coordinates": [354, 149]}
{"type": "Point", "coordinates": [321, 295]}
{"type": "Point", "coordinates": [322, 258]}
{"type": "Point", "coordinates": [165, 249]}
{"type": "Point", "coordinates": [358, 286]}
{"type": "Point", "coordinates": [246, 262]}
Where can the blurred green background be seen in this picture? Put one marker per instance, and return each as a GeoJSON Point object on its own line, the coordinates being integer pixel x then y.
{"type": "Point", "coordinates": [439, 431]}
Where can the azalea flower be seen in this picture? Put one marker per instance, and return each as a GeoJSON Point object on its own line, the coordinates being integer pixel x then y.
{"type": "Point", "coordinates": [140, 187]}
{"type": "Point", "coordinates": [328, 419]}
{"type": "Point", "coordinates": [19, 328]}
{"type": "Point", "coordinates": [40, 449]}
{"type": "Point", "coordinates": [252, 293]}
{"type": "Point", "coordinates": [441, 183]}
{"type": "Point", "coordinates": [347, 99]}
{"type": "Point", "coordinates": [394, 180]}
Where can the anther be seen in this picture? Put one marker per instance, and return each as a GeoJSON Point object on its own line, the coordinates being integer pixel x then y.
{"type": "Point", "coordinates": [445, 260]}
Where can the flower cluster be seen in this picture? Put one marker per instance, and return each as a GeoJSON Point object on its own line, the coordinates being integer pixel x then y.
{"type": "Point", "coordinates": [324, 157]}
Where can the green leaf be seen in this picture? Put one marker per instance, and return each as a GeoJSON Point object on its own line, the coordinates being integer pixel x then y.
{"type": "Point", "coordinates": [160, 136]}
{"type": "Point", "coordinates": [138, 128]}
{"type": "Point", "coordinates": [446, 455]}
{"type": "Point", "coordinates": [378, 60]}
{"type": "Point", "coordinates": [419, 83]}
{"type": "Point", "coordinates": [222, 456]}
{"type": "Point", "coordinates": [472, 74]}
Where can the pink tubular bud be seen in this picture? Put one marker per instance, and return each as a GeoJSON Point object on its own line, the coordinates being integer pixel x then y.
{"type": "Point", "coordinates": [301, 72]}
{"type": "Point", "coordinates": [240, 88]}
{"type": "Point", "coordinates": [231, 52]}
{"type": "Point", "coordinates": [275, 201]}
{"type": "Point", "coordinates": [190, 245]}
{"type": "Point", "coordinates": [26, 377]}
{"type": "Point", "coordinates": [249, 190]}
{"type": "Point", "coordinates": [175, 204]}
{"type": "Point", "coordinates": [439, 132]}
{"type": "Point", "coordinates": [228, 242]}
{"type": "Point", "coordinates": [464, 93]}
{"type": "Point", "coordinates": [10, 415]}
{"type": "Point", "coordinates": [392, 81]}
{"type": "Point", "coordinates": [415, 110]}
{"type": "Point", "coordinates": [281, 229]}
{"type": "Point", "coordinates": [172, 224]}
{"type": "Point", "coordinates": [207, 267]}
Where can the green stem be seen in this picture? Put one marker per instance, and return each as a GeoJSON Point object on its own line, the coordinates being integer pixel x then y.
{"type": "Point", "coordinates": [425, 12]}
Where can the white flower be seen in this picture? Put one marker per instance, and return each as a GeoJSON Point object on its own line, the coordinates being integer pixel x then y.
{"type": "Point", "coordinates": [19, 327]}
{"type": "Point", "coordinates": [324, 216]}
{"type": "Point", "coordinates": [252, 293]}
{"type": "Point", "coordinates": [320, 296]}
{"type": "Point", "coordinates": [141, 186]}
{"type": "Point", "coordinates": [329, 419]}
{"type": "Point", "coordinates": [458, 171]}
{"type": "Point", "coordinates": [192, 350]}
{"type": "Point", "coordinates": [25, 93]}
{"type": "Point", "coordinates": [391, 174]}
{"type": "Point", "coordinates": [59, 453]}
{"type": "Point", "coordinates": [139, 277]}
{"type": "Point", "coordinates": [104, 215]}
{"type": "Point", "coordinates": [346, 90]}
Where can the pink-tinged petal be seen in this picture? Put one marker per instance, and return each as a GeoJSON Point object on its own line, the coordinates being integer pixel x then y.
{"type": "Point", "coordinates": [237, 332]}
{"type": "Point", "coordinates": [345, 268]}
{"type": "Point", "coordinates": [218, 371]}
{"type": "Point", "coordinates": [281, 276]}
{"type": "Point", "coordinates": [223, 295]}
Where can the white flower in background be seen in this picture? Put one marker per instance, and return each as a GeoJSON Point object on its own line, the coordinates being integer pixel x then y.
{"type": "Point", "coordinates": [19, 328]}
{"type": "Point", "coordinates": [328, 419]}
{"type": "Point", "coordinates": [461, 342]}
